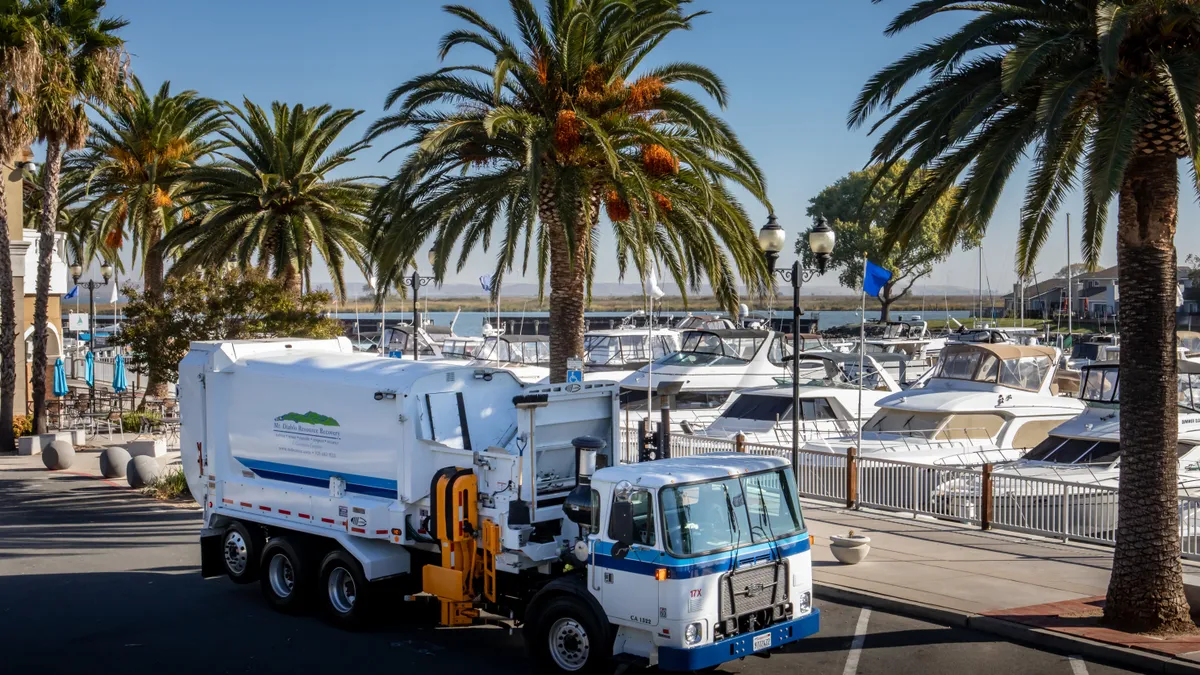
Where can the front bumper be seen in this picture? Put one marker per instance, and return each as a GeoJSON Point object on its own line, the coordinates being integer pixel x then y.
{"type": "Point", "coordinates": [675, 658]}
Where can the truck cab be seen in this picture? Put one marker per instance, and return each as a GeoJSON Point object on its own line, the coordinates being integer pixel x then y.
{"type": "Point", "coordinates": [695, 561]}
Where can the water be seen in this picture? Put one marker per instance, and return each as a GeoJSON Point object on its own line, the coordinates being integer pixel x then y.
{"type": "Point", "coordinates": [471, 323]}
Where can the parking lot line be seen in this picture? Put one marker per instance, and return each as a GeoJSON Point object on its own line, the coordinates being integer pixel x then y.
{"type": "Point", "coordinates": [860, 636]}
{"type": "Point", "coordinates": [1078, 667]}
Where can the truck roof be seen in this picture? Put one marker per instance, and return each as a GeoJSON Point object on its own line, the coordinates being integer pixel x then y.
{"type": "Point", "coordinates": [677, 470]}
{"type": "Point", "coordinates": [369, 370]}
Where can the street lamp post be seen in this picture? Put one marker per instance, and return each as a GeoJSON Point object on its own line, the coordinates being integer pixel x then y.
{"type": "Point", "coordinates": [106, 270]}
{"type": "Point", "coordinates": [820, 241]}
{"type": "Point", "coordinates": [415, 282]}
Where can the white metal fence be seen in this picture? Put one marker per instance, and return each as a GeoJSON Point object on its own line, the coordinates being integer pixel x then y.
{"type": "Point", "coordinates": [978, 496]}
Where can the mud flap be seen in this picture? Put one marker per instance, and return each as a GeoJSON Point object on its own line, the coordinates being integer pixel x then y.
{"type": "Point", "coordinates": [211, 564]}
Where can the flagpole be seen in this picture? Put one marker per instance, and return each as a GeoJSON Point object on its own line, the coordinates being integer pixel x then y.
{"type": "Point", "coordinates": [862, 350]}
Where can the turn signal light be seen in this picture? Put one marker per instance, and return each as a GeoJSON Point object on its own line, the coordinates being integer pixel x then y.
{"type": "Point", "coordinates": [660, 574]}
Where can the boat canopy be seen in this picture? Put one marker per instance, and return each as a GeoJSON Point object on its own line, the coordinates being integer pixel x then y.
{"type": "Point", "coordinates": [1101, 383]}
{"type": "Point", "coordinates": [718, 347]}
{"type": "Point", "coordinates": [1019, 366]}
{"type": "Point", "coordinates": [530, 350]}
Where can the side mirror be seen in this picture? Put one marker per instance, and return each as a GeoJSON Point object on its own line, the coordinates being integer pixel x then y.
{"type": "Point", "coordinates": [620, 525]}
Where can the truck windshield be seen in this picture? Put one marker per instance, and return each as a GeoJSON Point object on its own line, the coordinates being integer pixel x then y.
{"type": "Point", "coordinates": [709, 517]}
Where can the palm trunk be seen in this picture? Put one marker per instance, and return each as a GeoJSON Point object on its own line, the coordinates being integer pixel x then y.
{"type": "Point", "coordinates": [152, 270]}
{"type": "Point", "coordinates": [568, 279]}
{"type": "Point", "coordinates": [45, 260]}
{"type": "Point", "coordinates": [1145, 592]}
{"type": "Point", "coordinates": [8, 338]}
{"type": "Point", "coordinates": [291, 280]}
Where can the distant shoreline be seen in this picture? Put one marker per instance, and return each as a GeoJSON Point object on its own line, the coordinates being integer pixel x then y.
{"type": "Point", "coordinates": [810, 303]}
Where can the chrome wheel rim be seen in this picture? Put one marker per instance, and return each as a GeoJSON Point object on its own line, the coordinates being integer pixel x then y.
{"type": "Point", "coordinates": [569, 646]}
{"type": "Point", "coordinates": [236, 556]}
{"type": "Point", "coordinates": [281, 575]}
{"type": "Point", "coordinates": [342, 591]}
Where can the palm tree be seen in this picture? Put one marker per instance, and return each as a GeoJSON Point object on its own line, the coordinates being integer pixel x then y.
{"type": "Point", "coordinates": [84, 241]}
{"type": "Point", "coordinates": [555, 127]}
{"type": "Point", "coordinates": [20, 62]}
{"type": "Point", "coordinates": [137, 159]}
{"type": "Point", "coordinates": [274, 202]}
{"type": "Point", "coordinates": [82, 62]}
{"type": "Point", "coordinates": [1100, 88]}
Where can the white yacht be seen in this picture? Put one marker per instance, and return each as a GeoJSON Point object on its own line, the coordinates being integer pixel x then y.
{"type": "Point", "coordinates": [614, 354]}
{"type": "Point", "coordinates": [829, 405]}
{"type": "Point", "coordinates": [1086, 450]}
{"type": "Point", "coordinates": [984, 403]}
{"type": "Point", "coordinates": [910, 340]}
{"type": "Point", "coordinates": [710, 366]}
{"type": "Point", "coordinates": [525, 356]}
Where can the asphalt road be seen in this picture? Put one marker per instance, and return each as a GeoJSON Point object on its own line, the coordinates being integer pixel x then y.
{"type": "Point", "coordinates": [96, 580]}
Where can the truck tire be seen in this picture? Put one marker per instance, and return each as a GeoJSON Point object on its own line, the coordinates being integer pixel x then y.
{"type": "Point", "coordinates": [284, 574]}
{"type": "Point", "coordinates": [568, 637]}
{"type": "Point", "coordinates": [240, 547]}
{"type": "Point", "coordinates": [344, 591]}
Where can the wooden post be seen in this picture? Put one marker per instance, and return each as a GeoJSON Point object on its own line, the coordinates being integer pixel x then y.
{"type": "Point", "coordinates": [739, 442]}
{"type": "Point", "coordinates": [985, 499]}
{"type": "Point", "coordinates": [851, 477]}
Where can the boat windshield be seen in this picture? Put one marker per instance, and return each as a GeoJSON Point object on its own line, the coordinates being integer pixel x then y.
{"type": "Point", "coordinates": [978, 365]}
{"type": "Point", "coordinates": [936, 426]}
{"type": "Point", "coordinates": [1103, 385]}
{"type": "Point", "coordinates": [702, 348]}
{"type": "Point", "coordinates": [1063, 450]}
{"type": "Point", "coordinates": [619, 350]}
{"type": "Point", "coordinates": [704, 518]}
{"type": "Point", "coordinates": [528, 353]}
{"type": "Point", "coordinates": [764, 408]}
{"type": "Point", "coordinates": [462, 348]}
{"type": "Point", "coordinates": [637, 399]}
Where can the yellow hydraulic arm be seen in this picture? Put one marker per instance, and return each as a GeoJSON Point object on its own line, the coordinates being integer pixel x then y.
{"type": "Point", "coordinates": [454, 510]}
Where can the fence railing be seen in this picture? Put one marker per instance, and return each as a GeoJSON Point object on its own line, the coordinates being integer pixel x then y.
{"type": "Point", "coordinates": [978, 496]}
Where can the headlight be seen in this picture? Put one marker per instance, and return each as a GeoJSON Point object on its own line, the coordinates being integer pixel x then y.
{"type": "Point", "coordinates": [804, 603]}
{"type": "Point", "coordinates": [693, 633]}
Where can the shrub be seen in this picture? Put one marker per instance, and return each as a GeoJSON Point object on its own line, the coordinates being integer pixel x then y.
{"type": "Point", "coordinates": [131, 422]}
{"type": "Point", "coordinates": [22, 426]}
{"type": "Point", "coordinates": [171, 485]}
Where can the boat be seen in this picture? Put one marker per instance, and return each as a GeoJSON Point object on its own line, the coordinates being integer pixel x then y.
{"type": "Point", "coordinates": [525, 356]}
{"type": "Point", "coordinates": [1086, 450]}
{"type": "Point", "coordinates": [614, 354]}
{"type": "Point", "coordinates": [994, 335]}
{"type": "Point", "coordinates": [829, 405]}
{"type": "Point", "coordinates": [711, 365]}
{"type": "Point", "coordinates": [984, 403]}
{"type": "Point", "coordinates": [1098, 348]}
{"type": "Point", "coordinates": [911, 340]}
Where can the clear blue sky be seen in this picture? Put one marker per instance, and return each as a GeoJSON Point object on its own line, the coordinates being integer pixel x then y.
{"type": "Point", "coordinates": [792, 67]}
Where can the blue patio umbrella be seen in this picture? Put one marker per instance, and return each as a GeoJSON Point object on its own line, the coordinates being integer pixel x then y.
{"type": "Point", "coordinates": [60, 378]}
{"type": "Point", "coordinates": [119, 383]}
{"type": "Point", "coordinates": [89, 375]}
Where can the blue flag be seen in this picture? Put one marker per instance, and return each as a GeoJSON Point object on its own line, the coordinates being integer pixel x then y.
{"type": "Point", "coordinates": [874, 279]}
{"type": "Point", "coordinates": [486, 282]}
{"type": "Point", "coordinates": [74, 292]}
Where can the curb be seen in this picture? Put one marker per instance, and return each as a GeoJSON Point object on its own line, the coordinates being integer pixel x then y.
{"type": "Point", "coordinates": [1036, 637]}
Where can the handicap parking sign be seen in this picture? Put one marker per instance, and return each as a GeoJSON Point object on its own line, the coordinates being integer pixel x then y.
{"type": "Point", "coordinates": [574, 370]}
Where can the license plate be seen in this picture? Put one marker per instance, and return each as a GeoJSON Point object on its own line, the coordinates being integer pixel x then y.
{"type": "Point", "coordinates": [762, 641]}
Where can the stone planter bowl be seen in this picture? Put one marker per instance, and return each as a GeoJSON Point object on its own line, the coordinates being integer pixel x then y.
{"type": "Point", "coordinates": [850, 550]}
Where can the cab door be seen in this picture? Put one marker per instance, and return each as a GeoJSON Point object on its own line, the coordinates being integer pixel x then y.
{"type": "Point", "coordinates": [627, 587]}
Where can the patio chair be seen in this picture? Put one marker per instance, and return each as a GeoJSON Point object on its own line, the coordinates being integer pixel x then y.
{"type": "Point", "coordinates": [111, 423]}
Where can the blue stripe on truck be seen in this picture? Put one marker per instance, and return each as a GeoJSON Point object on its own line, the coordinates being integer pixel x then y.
{"type": "Point", "coordinates": [646, 562]}
{"type": "Point", "coordinates": [303, 475]}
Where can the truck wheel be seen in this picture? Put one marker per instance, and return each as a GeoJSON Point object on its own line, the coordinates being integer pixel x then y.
{"type": "Point", "coordinates": [568, 638]}
{"type": "Point", "coordinates": [240, 552]}
{"type": "Point", "coordinates": [344, 590]}
{"type": "Point", "coordinates": [284, 575]}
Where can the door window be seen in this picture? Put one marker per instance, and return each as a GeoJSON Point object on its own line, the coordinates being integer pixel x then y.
{"type": "Point", "coordinates": [643, 518]}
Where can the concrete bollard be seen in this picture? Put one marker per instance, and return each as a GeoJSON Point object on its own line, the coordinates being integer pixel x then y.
{"type": "Point", "coordinates": [142, 471]}
{"type": "Point", "coordinates": [58, 455]}
{"type": "Point", "coordinates": [113, 461]}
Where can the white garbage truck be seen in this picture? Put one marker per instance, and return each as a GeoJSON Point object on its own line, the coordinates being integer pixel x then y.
{"type": "Point", "coordinates": [330, 475]}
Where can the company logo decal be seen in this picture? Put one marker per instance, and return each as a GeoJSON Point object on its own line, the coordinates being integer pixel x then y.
{"type": "Point", "coordinates": [309, 417]}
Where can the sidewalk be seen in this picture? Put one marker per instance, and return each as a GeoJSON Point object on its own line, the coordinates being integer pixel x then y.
{"type": "Point", "coordinates": [1023, 587]}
